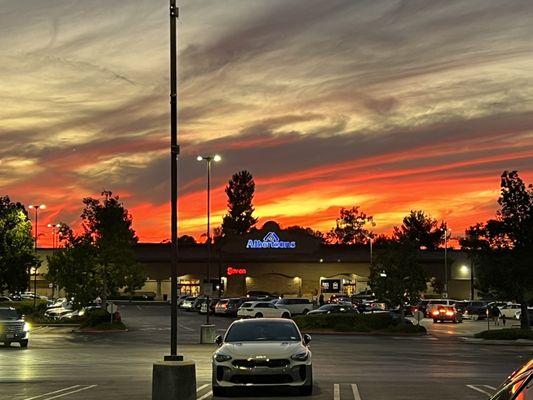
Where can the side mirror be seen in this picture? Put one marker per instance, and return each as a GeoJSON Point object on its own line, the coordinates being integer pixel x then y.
{"type": "Point", "coordinates": [219, 340]}
{"type": "Point", "coordinates": [307, 339]}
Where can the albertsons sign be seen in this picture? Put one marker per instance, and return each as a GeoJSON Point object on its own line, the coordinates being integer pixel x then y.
{"type": "Point", "coordinates": [270, 241]}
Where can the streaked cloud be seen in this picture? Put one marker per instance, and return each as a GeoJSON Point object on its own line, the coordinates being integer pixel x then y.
{"type": "Point", "coordinates": [391, 105]}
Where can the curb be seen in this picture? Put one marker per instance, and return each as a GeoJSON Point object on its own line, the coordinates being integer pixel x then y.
{"type": "Point", "coordinates": [140, 302]}
{"type": "Point", "coordinates": [99, 331]}
{"type": "Point", "coordinates": [44, 325]}
{"type": "Point", "coordinates": [390, 334]}
{"type": "Point", "coordinates": [517, 342]}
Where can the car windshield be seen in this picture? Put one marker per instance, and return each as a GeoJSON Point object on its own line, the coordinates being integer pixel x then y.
{"type": "Point", "coordinates": [326, 307]}
{"type": "Point", "coordinates": [8, 314]}
{"type": "Point", "coordinates": [263, 331]}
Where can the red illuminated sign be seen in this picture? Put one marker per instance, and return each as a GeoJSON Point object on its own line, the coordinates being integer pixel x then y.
{"type": "Point", "coordinates": [236, 271]}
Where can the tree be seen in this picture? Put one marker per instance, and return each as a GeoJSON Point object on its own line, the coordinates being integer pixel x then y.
{"type": "Point", "coordinates": [240, 191]}
{"type": "Point", "coordinates": [350, 227]}
{"type": "Point", "coordinates": [396, 275]}
{"type": "Point", "coordinates": [420, 230]}
{"type": "Point", "coordinates": [307, 231]}
{"type": "Point", "coordinates": [186, 240]}
{"type": "Point", "coordinates": [504, 245]}
{"type": "Point", "coordinates": [17, 253]}
{"type": "Point", "coordinates": [100, 260]}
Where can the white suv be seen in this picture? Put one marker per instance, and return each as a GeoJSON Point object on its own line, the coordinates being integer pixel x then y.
{"type": "Point", "coordinates": [295, 306]}
{"type": "Point", "coordinates": [260, 309]}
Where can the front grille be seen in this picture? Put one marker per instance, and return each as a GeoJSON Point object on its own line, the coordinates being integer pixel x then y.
{"type": "Point", "coordinates": [12, 329]}
{"type": "Point", "coordinates": [276, 363]}
{"type": "Point", "coordinates": [261, 379]}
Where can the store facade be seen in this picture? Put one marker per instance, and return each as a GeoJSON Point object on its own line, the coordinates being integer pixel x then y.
{"type": "Point", "coordinates": [281, 262]}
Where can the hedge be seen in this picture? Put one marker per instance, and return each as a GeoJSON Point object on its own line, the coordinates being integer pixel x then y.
{"type": "Point", "coordinates": [506, 334]}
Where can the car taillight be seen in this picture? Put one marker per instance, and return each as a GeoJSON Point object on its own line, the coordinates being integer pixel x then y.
{"type": "Point", "coordinates": [436, 312]}
{"type": "Point", "coordinates": [449, 313]}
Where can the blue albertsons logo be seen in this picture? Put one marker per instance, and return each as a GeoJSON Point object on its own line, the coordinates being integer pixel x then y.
{"type": "Point", "coordinates": [270, 241]}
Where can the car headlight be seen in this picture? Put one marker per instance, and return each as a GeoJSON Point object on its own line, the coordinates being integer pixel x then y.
{"type": "Point", "coordinates": [26, 327]}
{"type": "Point", "coordinates": [300, 356]}
{"type": "Point", "coordinates": [220, 357]}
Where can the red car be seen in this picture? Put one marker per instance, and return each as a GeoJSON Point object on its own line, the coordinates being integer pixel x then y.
{"type": "Point", "coordinates": [445, 313]}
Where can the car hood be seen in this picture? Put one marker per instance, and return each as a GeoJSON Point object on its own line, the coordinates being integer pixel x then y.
{"type": "Point", "coordinates": [262, 349]}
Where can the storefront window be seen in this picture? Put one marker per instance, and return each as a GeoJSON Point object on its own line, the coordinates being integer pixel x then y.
{"type": "Point", "coordinates": [189, 286]}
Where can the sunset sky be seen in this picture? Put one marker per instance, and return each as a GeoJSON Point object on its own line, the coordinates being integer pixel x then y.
{"type": "Point", "coordinates": [389, 105]}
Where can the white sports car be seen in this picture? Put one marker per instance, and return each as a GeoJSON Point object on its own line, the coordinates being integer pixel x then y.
{"type": "Point", "coordinates": [263, 352]}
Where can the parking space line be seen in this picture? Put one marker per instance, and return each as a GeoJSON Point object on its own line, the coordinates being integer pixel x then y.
{"type": "Point", "coordinates": [490, 387]}
{"type": "Point", "coordinates": [186, 328]}
{"type": "Point", "coordinates": [54, 392]}
{"type": "Point", "coordinates": [72, 392]}
{"type": "Point", "coordinates": [201, 387]}
{"type": "Point", "coordinates": [205, 396]}
{"type": "Point", "coordinates": [355, 392]}
{"type": "Point", "coordinates": [336, 392]}
{"type": "Point", "coordinates": [474, 387]}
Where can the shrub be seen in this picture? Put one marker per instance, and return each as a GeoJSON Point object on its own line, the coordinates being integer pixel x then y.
{"type": "Point", "coordinates": [506, 334]}
{"type": "Point", "coordinates": [95, 318]}
{"type": "Point", "coordinates": [25, 307]}
{"type": "Point", "coordinates": [348, 322]}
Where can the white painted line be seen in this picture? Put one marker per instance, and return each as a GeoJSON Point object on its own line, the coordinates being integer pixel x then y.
{"type": "Point", "coordinates": [336, 392]}
{"type": "Point", "coordinates": [138, 308]}
{"type": "Point", "coordinates": [186, 328]}
{"type": "Point", "coordinates": [72, 392]}
{"type": "Point", "coordinates": [473, 387]}
{"type": "Point", "coordinates": [49, 393]}
{"type": "Point", "coordinates": [205, 396]}
{"type": "Point", "coordinates": [355, 392]}
{"type": "Point", "coordinates": [201, 387]}
{"type": "Point", "coordinates": [490, 387]}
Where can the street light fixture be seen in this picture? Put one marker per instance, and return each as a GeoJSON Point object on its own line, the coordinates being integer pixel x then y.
{"type": "Point", "coordinates": [54, 234]}
{"type": "Point", "coordinates": [208, 160]}
{"type": "Point", "coordinates": [36, 207]}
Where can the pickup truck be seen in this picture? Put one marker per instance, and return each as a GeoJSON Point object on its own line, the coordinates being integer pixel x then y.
{"type": "Point", "coordinates": [13, 328]}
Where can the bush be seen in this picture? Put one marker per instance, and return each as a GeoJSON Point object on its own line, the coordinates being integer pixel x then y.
{"type": "Point", "coordinates": [506, 334]}
{"type": "Point", "coordinates": [95, 318]}
{"type": "Point", "coordinates": [25, 307]}
{"type": "Point", "coordinates": [355, 323]}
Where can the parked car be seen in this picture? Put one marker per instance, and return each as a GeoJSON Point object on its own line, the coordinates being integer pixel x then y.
{"type": "Point", "coordinates": [295, 306]}
{"type": "Point", "coordinates": [339, 298]}
{"type": "Point", "coordinates": [518, 385]}
{"type": "Point", "coordinates": [265, 352]}
{"type": "Point", "coordinates": [476, 309]}
{"type": "Point", "coordinates": [13, 328]}
{"type": "Point", "coordinates": [260, 295]}
{"type": "Point", "coordinates": [181, 299]}
{"type": "Point", "coordinates": [5, 299]}
{"type": "Point", "coordinates": [188, 303]}
{"type": "Point", "coordinates": [421, 306]}
{"type": "Point", "coordinates": [460, 306]}
{"type": "Point", "coordinates": [31, 296]}
{"type": "Point", "coordinates": [212, 303]}
{"type": "Point", "coordinates": [260, 309]}
{"type": "Point", "coordinates": [333, 309]}
{"type": "Point", "coordinates": [57, 303]}
{"type": "Point", "coordinates": [57, 313]}
{"type": "Point", "coordinates": [509, 310]}
{"type": "Point", "coordinates": [529, 315]}
{"type": "Point", "coordinates": [229, 307]}
{"type": "Point", "coordinates": [445, 313]}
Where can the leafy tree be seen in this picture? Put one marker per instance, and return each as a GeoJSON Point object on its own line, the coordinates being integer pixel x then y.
{"type": "Point", "coordinates": [420, 230]}
{"type": "Point", "coordinates": [17, 253]}
{"type": "Point", "coordinates": [350, 227]}
{"type": "Point", "coordinates": [240, 191]}
{"type": "Point", "coordinates": [186, 240]}
{"type": "Point", "coordinates": [503, 247]}
{"type": "Point", "coordinates": [100, 260]}
{"type": "Point", "coordinates": [396, 276]}
{"type": "Point", "coordinates": [307, 231]}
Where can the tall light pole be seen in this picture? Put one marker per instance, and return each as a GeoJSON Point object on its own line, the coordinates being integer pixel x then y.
{"type": "Point", "coordinates": [36, 207]}
{"type": "Point", "coordinates": [174, 153]}
{"type": "Point", "coordinates": [54, 233]}
{"type": "Point", "coordinates": [208, 160]}
{"type": "Point", "coordinates": [446, 231]}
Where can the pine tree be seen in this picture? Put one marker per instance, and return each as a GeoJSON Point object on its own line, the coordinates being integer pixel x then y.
{"type": "Point", "coordinates": [240, 191]}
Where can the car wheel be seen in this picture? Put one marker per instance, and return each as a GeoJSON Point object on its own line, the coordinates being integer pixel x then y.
{"type": "Point", "coordinates": [258, 315]}
{"type": "Point", "coordinates": [285, 315]}
{"type": "Point", "coordinates": [7, 344]}
{"type": "Point", "coordinates": [219, 391]}
{"type": "Point", "coordinates": [305, 311]}
{"type": "Point", "coordinates": [23, 344]}
{"type": "Point", "coordinates": [306, 390]}
{"type": "Point", "coordinates": [434, 321]}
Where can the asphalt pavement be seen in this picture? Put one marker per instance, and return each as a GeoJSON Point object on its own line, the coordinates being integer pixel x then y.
{"type": "Point", "coordinates": [67, 365]}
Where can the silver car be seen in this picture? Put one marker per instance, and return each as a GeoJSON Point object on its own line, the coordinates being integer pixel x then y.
{"type": "Point", "coordinates": [263, 352]}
